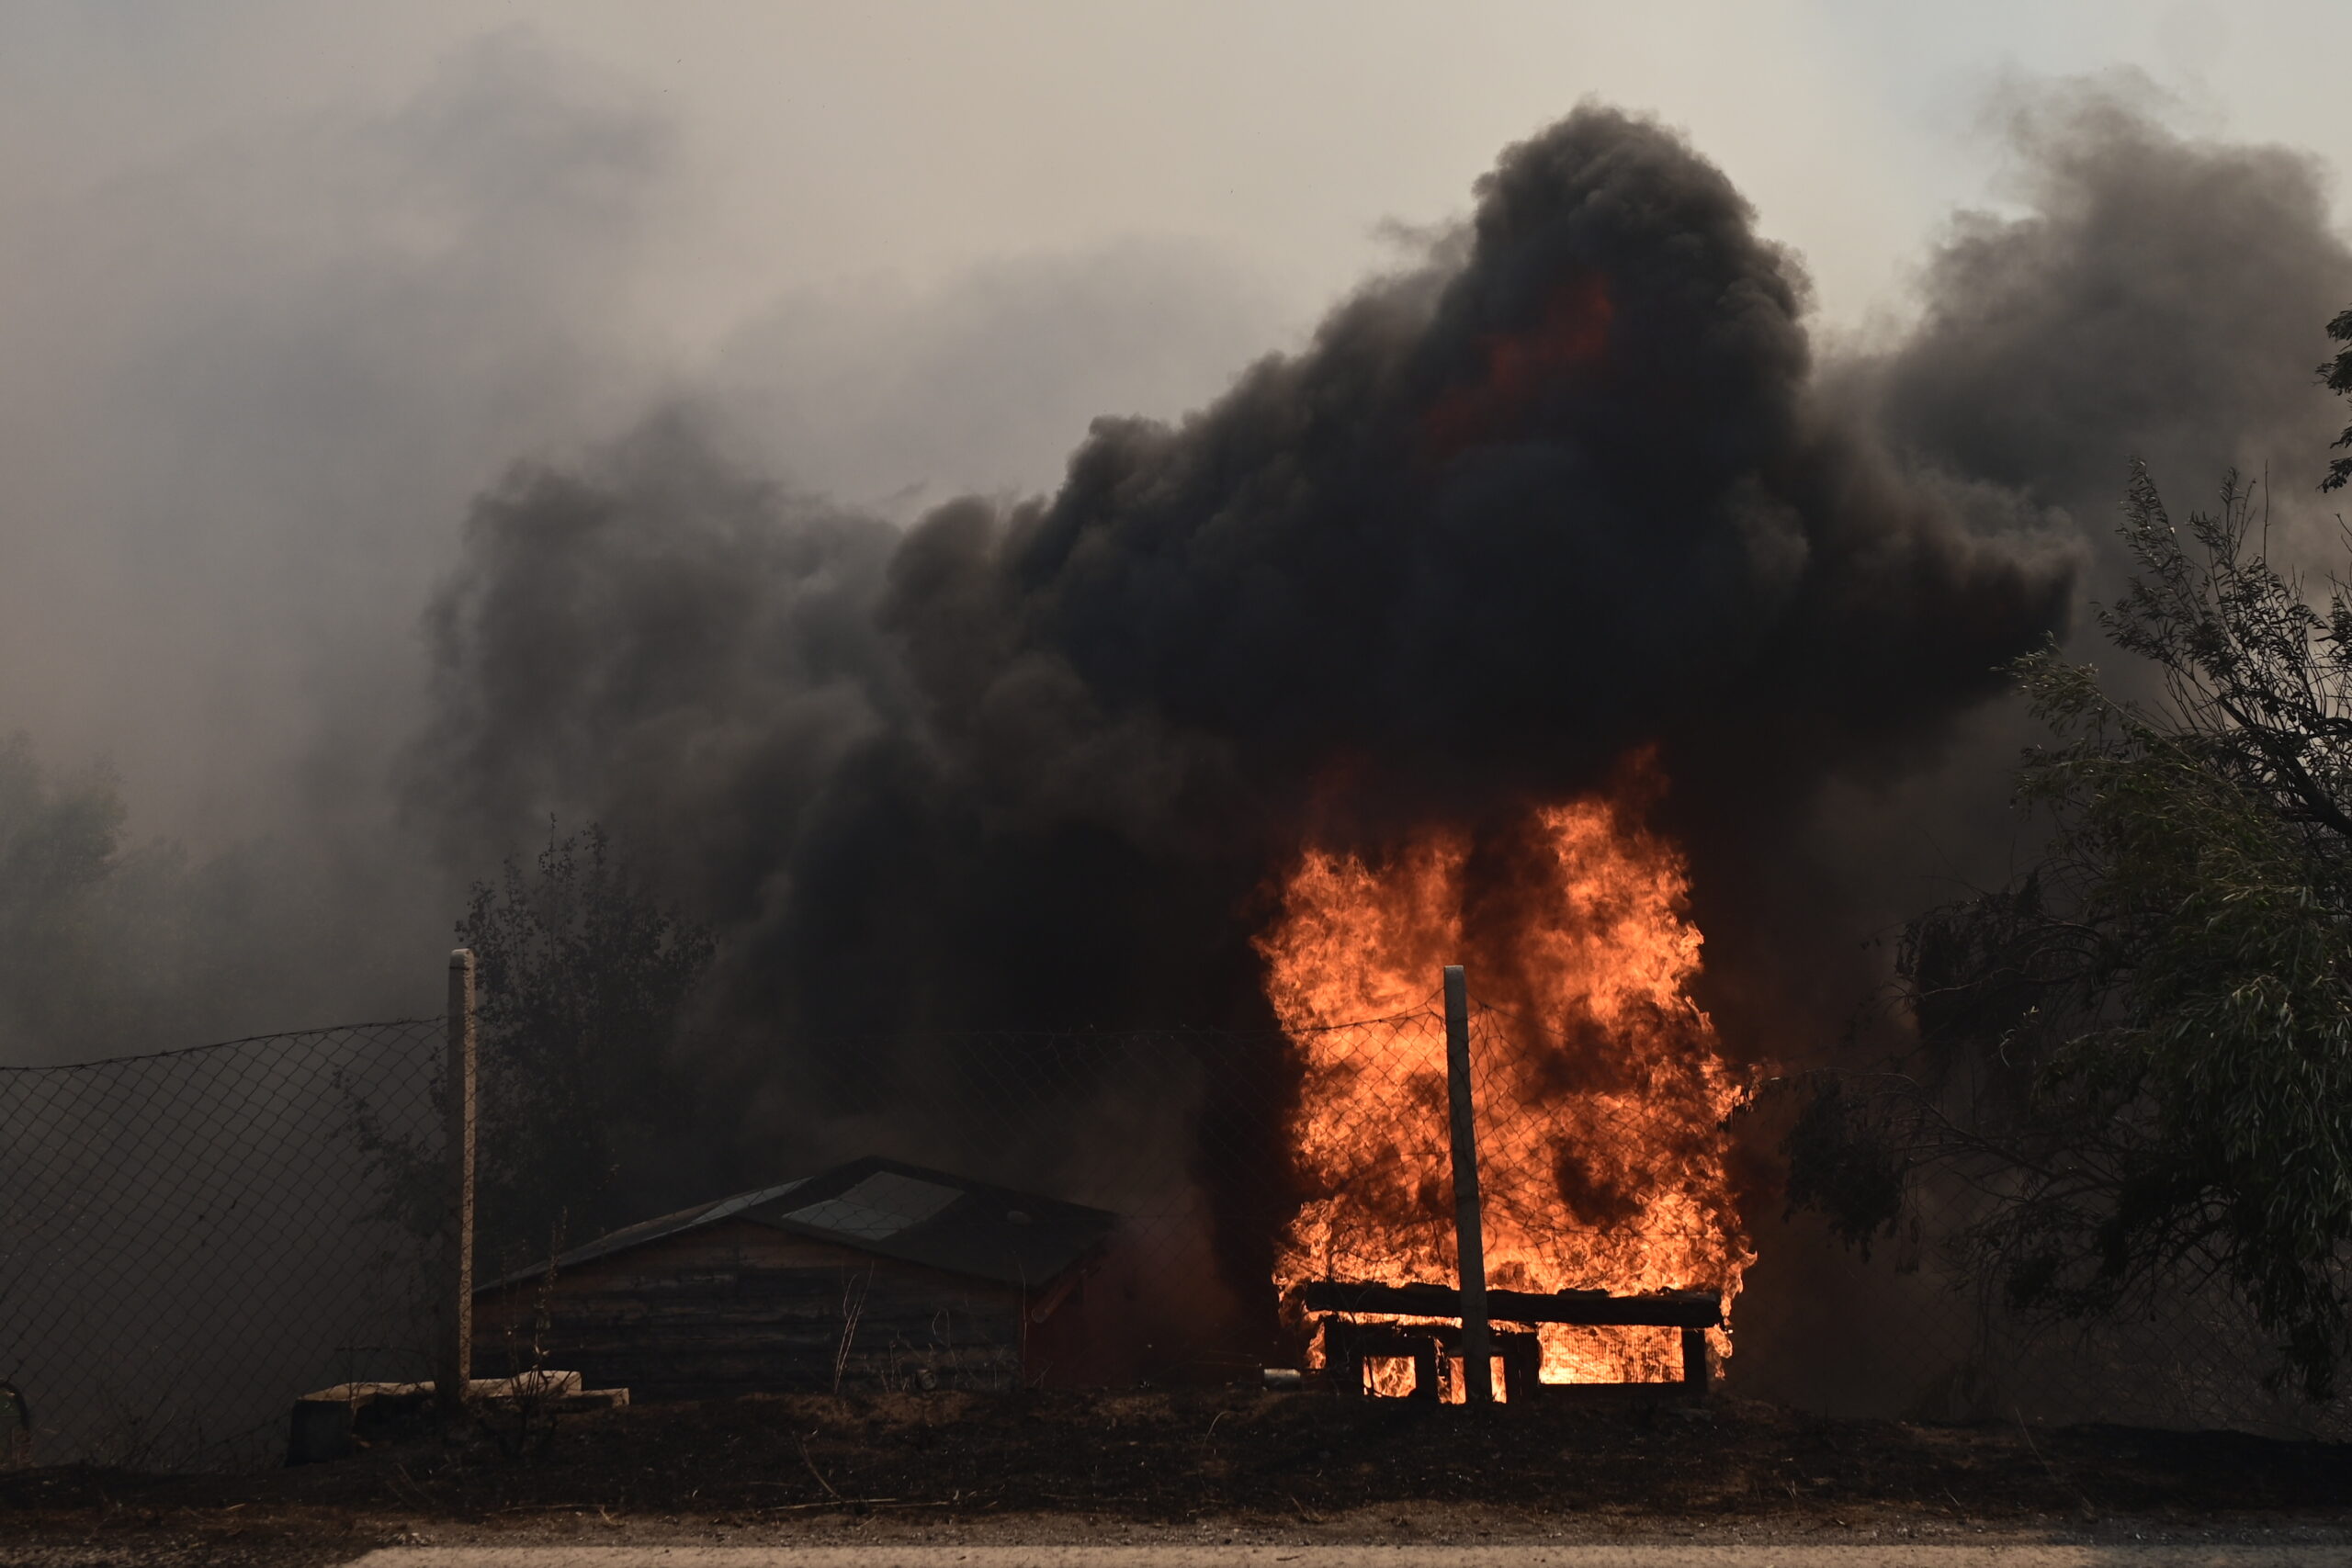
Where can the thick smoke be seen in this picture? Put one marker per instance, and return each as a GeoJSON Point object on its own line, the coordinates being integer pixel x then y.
{"type": "Point", "coordinates": [1564, 491]}
{"type": "Point", "coordinates": [2156, 300]}
{"type": "Point", "coordinates": [2158, 297]}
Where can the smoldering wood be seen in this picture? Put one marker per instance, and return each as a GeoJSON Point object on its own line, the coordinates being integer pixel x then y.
{"type": "Point", "coordinates": [1591, 1309]}
{"type": "Point", "coordinates": [1469, 1226]}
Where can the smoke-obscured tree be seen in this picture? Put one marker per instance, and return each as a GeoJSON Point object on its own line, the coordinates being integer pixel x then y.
{"type": "Point", "coordinates": [2142, 1051]}
{"type": "Point", "coordinates": [110, 946]}
{"type": "Point", "coordinates": [582, 978]}
{"type": "Point", "coordinates": [2336, 375]}
{"type": "Point", "coordinates": [59, 843]}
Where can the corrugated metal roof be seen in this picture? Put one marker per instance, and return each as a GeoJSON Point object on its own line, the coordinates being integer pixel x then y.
{"type": "Point", "coordinates": [877, 1208]}
{"type": "Point", "coordinates": [894, 1210]}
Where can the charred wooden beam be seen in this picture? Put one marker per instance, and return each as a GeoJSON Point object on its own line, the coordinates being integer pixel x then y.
{"type": "Point", "coordinates": [1694, 1360]}
{"type": "Point", "coordinates": [1348, 1345]}
{"type": "Point", "coordinates": [1522, 1357]}
{"type": "Point", "coordinates": [1673, 1309]}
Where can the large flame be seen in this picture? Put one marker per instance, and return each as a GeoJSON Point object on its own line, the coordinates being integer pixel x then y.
{"type": "Point", "coordinates": [1601, 1088]}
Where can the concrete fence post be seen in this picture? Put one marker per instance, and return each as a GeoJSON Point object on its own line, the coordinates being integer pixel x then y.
{"type": "Point", "coordinates": [457, 1347]}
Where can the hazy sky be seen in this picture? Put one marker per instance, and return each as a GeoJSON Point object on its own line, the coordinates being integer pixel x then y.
{"type": "Point", "coordinates": [819, 141]}
{"type": "Point", "coordinates": [282, 285]}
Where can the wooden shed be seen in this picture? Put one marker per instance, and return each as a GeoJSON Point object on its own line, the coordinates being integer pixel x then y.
{"type": "Point", "coordinates": [874, 1275]}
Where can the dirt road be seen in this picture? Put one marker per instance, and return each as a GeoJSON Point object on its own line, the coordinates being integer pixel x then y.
{"type": "Point", "coordinates": [1685, 1554]}
{"type": "Point", "coordinates": [1173, 1479]}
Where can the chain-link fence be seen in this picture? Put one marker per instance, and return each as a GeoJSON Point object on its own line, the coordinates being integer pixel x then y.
{"type": "Point", "coordinates": [1244, 1165]}
{"type": "Point", "coordinates": [187, 1241]}
{"type": "Point", "coordinates": [192, 1239]}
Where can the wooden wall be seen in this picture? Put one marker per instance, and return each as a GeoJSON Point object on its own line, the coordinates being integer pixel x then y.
{"type": "Point", "coordinates": [740, 1308]}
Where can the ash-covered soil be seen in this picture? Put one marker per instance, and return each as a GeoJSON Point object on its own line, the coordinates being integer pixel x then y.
{"type": "Point", "coordinates": [1299, 1465]}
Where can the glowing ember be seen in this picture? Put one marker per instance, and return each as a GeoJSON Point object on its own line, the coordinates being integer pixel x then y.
{"type": "Point", "coordinates": [1601, 1088]}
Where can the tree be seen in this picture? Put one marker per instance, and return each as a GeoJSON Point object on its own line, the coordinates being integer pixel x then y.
{"type": "Point", "coordinates": [110, 946]}
{"type": "Point", "coordinates": [583, 979]}
{"type": "Point", "coordinates": [2142, 1051]}
{"type": "Point", "coordinates": [60, 848]}
{"type": "Point", "coordinates": [2336, 375]}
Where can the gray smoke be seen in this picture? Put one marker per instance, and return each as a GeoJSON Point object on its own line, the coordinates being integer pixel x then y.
{"type": "Point", "coordinates": [2156, 300]}
{"type": "Point", "coordinates": [254, 376]}
{"type": "Point", "coordinates": [897, 398]}
{"type": "Point", "coordinates": [2158, 297]}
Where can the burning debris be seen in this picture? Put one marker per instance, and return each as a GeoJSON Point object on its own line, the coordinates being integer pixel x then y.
{"type": "Point", "coordinates": [1602, 1087]}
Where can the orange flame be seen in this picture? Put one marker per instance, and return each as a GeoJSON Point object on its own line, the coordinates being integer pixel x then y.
{"type": "Point", "coordinates": [1601, 1087]}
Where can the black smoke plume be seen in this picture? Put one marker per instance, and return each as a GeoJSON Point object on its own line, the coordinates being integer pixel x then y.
{"type": "Point", "coordinates": [1509, 517]}
{"type": "Point", "coordinates": [1572, 488]}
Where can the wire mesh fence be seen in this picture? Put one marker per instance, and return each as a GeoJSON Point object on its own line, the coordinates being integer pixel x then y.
{"type": "Point", "coordinates": [191, 1240]}
{"type": "Point", "coordinates": [187, 1241]}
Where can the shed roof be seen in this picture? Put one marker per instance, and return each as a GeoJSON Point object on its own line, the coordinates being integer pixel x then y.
{"type": "Point", "coordinates": [894, 1210]}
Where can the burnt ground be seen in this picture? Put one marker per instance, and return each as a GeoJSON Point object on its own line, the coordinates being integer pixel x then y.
{"type": "Point", "coordinates": [1312, 1466]}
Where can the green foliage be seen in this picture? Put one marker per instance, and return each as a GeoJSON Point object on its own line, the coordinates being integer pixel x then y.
{"type": "Point", "coordinates": [2144, 1053]}
{"type": "Point", "coordinates": [2336, 373]}
{"type": "Point", "coordinates": [583, 980]}
{"type": "Point", "coordinates": [1843, 1163]}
